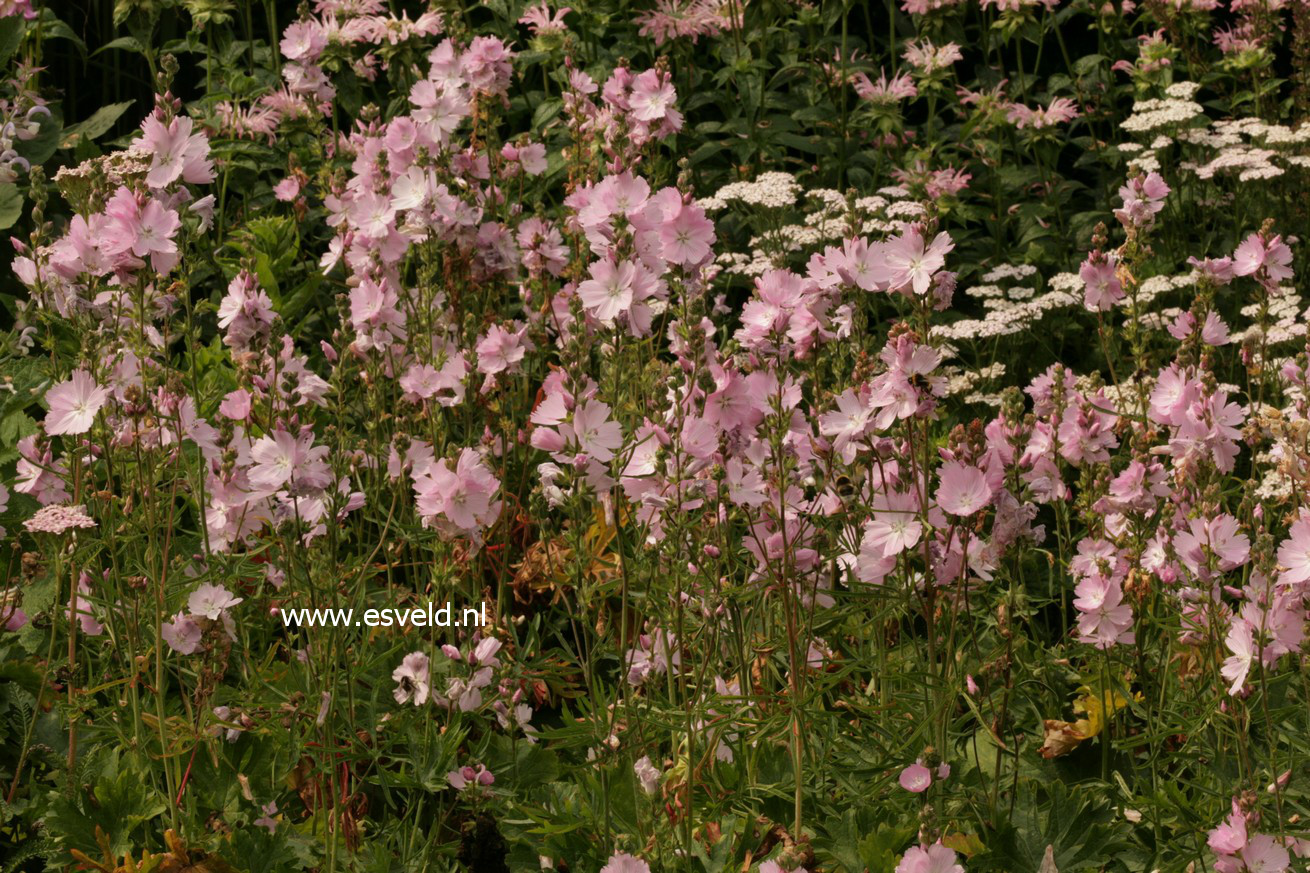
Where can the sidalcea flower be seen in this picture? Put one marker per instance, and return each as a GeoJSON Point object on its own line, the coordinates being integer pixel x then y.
{"type": "Point", "coordinates": [687, 236]}
{"type": "Point", "coordinates": [141, 226]}
{"type": "Point", "coordinates": [287, 190]}
{"type": "Point", "coordinates": [1269, 260]}
{"type": "Point", "coordinates": [461, 498]}
{"type": "Point", "coordinates": [266, 820]}
{"type": "Point", "coordinates": [1294, 552]}
{"type": "Point", "coordinates": [74, 404]}
{"type": "Point", "coordinates": [1104, 620]}
{"type": "Point", "coordinates": [289, 460]}
{"type": "Point", "coordinates": [183, 634]}
{"type": "Point", "coordinates": [963, 490]}
{"type": "Point", "coordinates": [501, 350]}
{"type": "Point", "coordinates": [914, 264]}
{"type": "Point", "coordinates": [211, 601]}
{"type": "Point", "coordinates": [470, 777]}
{"type": "Point", "coordinates": [929, 859]}
{"type": "Point", "coordinates": [1101, 286]}
{"type": "Point", "coordinates": [236, 405]}
{"type": "Point", "coordinates": [609, 292]}
{"type": "Point", "coordinates": [1212, 544]}
{"type": "Point", "coordinates": [175, 152]}
{"type": "Point", "coordinates": [413, 679]}
{"type": "Point", "coordinates": [1241, 642]}
{"type": "Point", "coordinates": [647, 774]}
{"type": "Point", "coordinates": [541, 21]}
{"type": "Point", "coordinates": [622, 862]}
{"type": "Point", "coordinates": [915, 778]}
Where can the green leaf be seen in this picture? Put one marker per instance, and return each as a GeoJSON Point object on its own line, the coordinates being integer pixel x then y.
{"type": "Point", "coordinates": [11, 205]}
{"type": "Point", "coordinates": [127, 43]}
{"type": "Point", "coordinates": [11, 35]}
{"type": "Point", "coordinates": [95, 126]}
{"type": "Point", "coordinates": [52, 27]}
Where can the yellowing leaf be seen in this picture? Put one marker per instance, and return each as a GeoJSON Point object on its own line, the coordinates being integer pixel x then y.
{"type": "Point", "coordinates": [1093, 707]}
{"type": "Point", "coordinates": [1062, 737]}
{"type": "Point", "coordinates": [967, 845]}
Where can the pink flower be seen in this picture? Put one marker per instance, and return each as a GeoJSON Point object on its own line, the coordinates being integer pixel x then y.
{"type": "Point", "coordinates": [500, 351]}
{"type": "Point", "coordinates": [236, 405]}
{"type": "Point", "coordinates": [211, 601]}
{"type": "Point", "coordinates": [1270, 261]}
{"type": "Point", "coordinates": [304, 41]}
{"type": "Point", "coordinates": [647, 774]}
{"type": "Point", "coordinates": [413, 679]}
{"type": "Point", "coordinates": [1214, 332]}
{"type": "Point", "coordinates": [1294, 552]}
{"type": "Point", "coordinates": [596, 434]}
{"type": "Point", "coordinates": [916, 778]}
{"type": "Point", "coordinates": [653, 96]}
{"type": "Point", "coordinates": [963, 490]}
{"type": "Point", "coordinates": [884, 92]}
{"type": "Point", "coordinates": [420, 381]}
{"type": "Point", "coordinates": [266, 820]}
{"type": "Point", "coordinates": [1263, 854]}
{"type": "Point", "coordinates": [1218, 537]}
{"type": "Point", "coordinates": [1101, 287]}
{"type": "Point", "coordinates": [1229, 838]}
{"type": "Point", "coordinates": [143, 229]}
{"type": "Point", "coordinates": [540, 20]}
{"type": "Point", "coordinates": [1174, 393]}
{"type": "Point", "coordinates": [284, 458]}
{"type": "Point", "coordinates": [1241, 642]}
{"type": "Point", "coordinates": [532, 157]}
{"type": "Point", "coordinates": [608, 293]}
{"type": "Point", "coordinates": [175, 153]}
{"type": "Point", "coordinates": [287, 189]}
{"type": "Point", "coordinates": [470, 777]}
{"type": "Point", "coordinates": [687, 236]}
{"type": "Point", "coordinates": [1143, 198]}
{"type": "Point", "coordinates": [245, 313]}
{"type": "Point", "coordinates": [74, 404]}
{"type": "Point", "coordinates": [182, 634]}
{"type": "Point", "coordinates": [486, 65]}
{"type": "Point", "coordinates": [1062, 109]}
{"type": "Point", "coordinates": [913, 265]}
{"type": "Point", "coordinates": [1105, 620]}
{"type": "Point", "coordinates": [461, 497]}
{"type": "Point", "coordinates": [929, 859]}
{"type": "Point", "coordinates": [622, 862]}
{"type": "Point", "coordinates": [85, 618]}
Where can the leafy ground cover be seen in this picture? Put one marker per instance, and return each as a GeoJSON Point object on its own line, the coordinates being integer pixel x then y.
{"type": "Point", "coordinates": [876, 435]}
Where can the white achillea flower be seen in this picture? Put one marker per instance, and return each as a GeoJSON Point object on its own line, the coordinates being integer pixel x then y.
{"type": "Point", "coordinates": [871, 204]}
{"type": "Point", "coordinates": [1149, 115]}
{"type": "Point", "coordinates": [1182, 90]}
{"type": "Point", "coordinates": [1146, 162]}
{"type": "Point", "coordinates": [905, 209]}
{"type": "Point", "coordinates": [1267, 172]}
{"type": "Point", "coordinates": [1009, 271]}
{"type": "Point", "coordinates": [1065, 282]}
{"type": "Point", "coordinates": [58, 518]}
{"type": "Point", "coordinates": [772, 190]}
